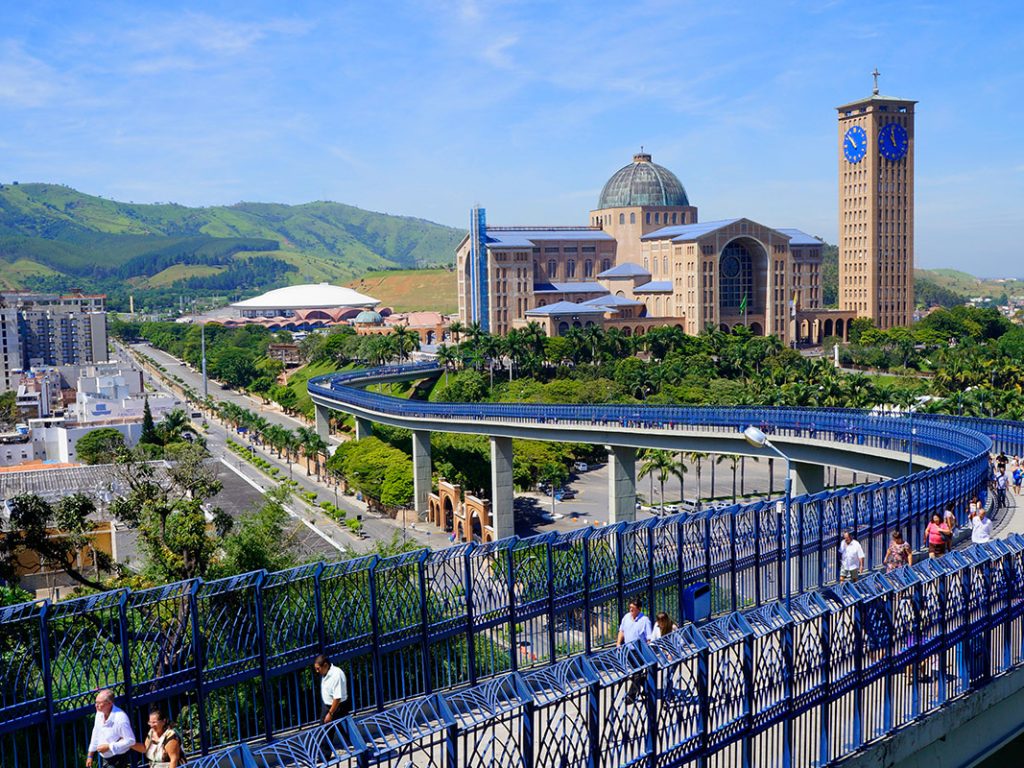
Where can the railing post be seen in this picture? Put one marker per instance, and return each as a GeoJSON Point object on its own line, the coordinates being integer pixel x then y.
{"type": "Point", "coordinates": [787, 692]}
{"type": "Point", "coordinates": [47, 670]}
{"type": "Point", "coordinates": [261, 633]}
{"type": "Point", "coordinates": [587, 645]}
{"type": "Point", "coordinates": [826, 681]}
{"type": "Point", "coordinates": [421, 568]}
{"type": "Point", "coordinates": [551, 601]}
{"type": "Point", "coordinates": [858, 671]}
{"type": "Point", "coordinates": [318, 602]}
{"type": "Point", "coordinates": [733, 585]}
{"type": "Point", "coordinates": [199, 649]}
{"type": "Point", "coordinates": [378, 671]}
{"type": "Point", "coordinates": [822, 504]}
{"type": "Point", "coordinates": [467, 578]}
{"type": "Point", "coordinates": [126, 663]}
{"type": "Point", "coordinates": [512, 633]}
{"type": "Point", "coordinates": [748, 700]}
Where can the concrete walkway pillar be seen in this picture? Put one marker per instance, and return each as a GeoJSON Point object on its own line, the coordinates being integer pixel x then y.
{"type": "Point", "coordinates": [421, 480]}
{"type": "Point", "coordinates": [364, 428]}
{"type": "Point", "coordinates": [502, 489]}
{"type": "Point", "coordinates": [621, 484]}
{"type": "Point", "coordinates": [323, 421]}
{"type": "Point", "coordinates": [807, 478]}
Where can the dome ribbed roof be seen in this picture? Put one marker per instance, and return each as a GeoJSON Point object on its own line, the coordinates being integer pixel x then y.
{"type": "Point", "coordinates": [368, 316]}
{"type": "Point", "coordinates": [642, 183]}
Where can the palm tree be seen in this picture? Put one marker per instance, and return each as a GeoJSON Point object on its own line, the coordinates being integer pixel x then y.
{"type": "Point", "coordinates": [456, 329]}
{"type": "Point", "coordinates": [404, 341]}
{"type": "Point", "coordinates": [696, 458]}
{"type": "Point", "coordinates": [663, 465]}
{"type": "Point", "coordinates": [490, 348]}
{"type": "Point", "coordinates": [533, 335]}
{"type": "Point", "coordinates": [447, 357]}
{"type": "Point", "coordinates": [174, 423]}
{"type": "Point", "coordinates": [514, 343]}
{"type": "Point", "coordinates": [312, 446]}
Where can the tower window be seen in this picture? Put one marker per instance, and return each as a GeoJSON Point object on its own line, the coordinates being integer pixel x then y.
{"type": "Point", "coordinates": [622, 218]}
{"type": "Point", "coordinates": [632, 218]}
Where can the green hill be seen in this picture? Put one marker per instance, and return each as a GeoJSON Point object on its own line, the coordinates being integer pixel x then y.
{"type": "Point", "coordinates": [97, 243]}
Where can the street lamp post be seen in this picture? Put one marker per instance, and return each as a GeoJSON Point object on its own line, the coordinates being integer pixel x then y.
{"type": "Point", "coordinates": [759, 439]}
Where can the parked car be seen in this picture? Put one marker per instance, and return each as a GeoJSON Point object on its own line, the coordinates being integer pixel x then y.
{"type": "Point", "coordinates": [580, 466]}
{"type": "Point", "coordinates": [566, 493]}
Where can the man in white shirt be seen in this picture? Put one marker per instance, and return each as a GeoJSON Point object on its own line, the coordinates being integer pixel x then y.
{"type": "Point", "coordinates": [112, 734]}
{"type": "Point", "coordinates": [333, 690]}
{"type": "Point", "coordinates": [981, 527]}
{"type": "Point", "coordinates": [634, 625]}
{"type": "Point", "coordinates": [851, 557]}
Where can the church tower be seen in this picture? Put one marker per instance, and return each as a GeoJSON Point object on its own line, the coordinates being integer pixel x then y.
{"type": "Point", "coordinates": [876, 208]}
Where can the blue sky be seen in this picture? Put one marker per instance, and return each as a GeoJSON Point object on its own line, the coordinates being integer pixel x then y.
{"type": "Point", "coordinates": [425, 108]}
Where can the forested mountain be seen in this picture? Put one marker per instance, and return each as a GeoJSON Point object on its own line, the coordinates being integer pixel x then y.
{"type": "Point", "coordinates": [52, 235]}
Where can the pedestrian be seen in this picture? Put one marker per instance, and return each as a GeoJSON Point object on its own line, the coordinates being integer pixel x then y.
{"type": "Point", "coordinates": [663, 625]}
{"type": "Point", "coordinates": [112, 734]}
{"type": "Point", "coordinates": [634, 625]}
{"type": "Point", "coordinates": [949, 517]}
{"type": "Point", "coordinates": [898, 554]}
{"type": "Point", "coordinates": [938, 536]}
{"type": "Point", "coordinates": [335, 701]}
{"type": "Point", "coordinates": [981, 527]}
{"type": "Point", "coordinates": [851, 557]}
{"type": "Point", "coordinates": [1001, 482]}
{"type": "Point", "coordinates": [162, 747]}
{"type": "Point", "coordinates": [1018, 479]}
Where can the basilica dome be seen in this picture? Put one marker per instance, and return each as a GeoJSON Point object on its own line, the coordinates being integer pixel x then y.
{"type": "Point", "coordinates": [642, 183]}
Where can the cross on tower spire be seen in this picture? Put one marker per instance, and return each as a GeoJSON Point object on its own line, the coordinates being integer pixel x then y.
{"type": "Point", "coordinates": [875, 75]}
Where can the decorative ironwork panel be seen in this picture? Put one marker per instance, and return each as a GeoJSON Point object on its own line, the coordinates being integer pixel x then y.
{"type": "Point", "coordinates": [228, 619]}
{"type": "Point", "coordinates": [22, 691]}
{"type": "Point", "coordinates": [345, 604]}
{"type": "Point", "coordinates": [291, 621]}
{"type": "Point", "coordinates": [84, 641]}
{"type": "Point", "coordinates": [160, 637]}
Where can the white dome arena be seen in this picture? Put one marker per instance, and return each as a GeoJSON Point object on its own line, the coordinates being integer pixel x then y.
{"type": "Point", "coordinates": [308, 296]}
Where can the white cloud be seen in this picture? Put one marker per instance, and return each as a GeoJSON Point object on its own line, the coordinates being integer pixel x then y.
{"type": "Point", "coordinates": [25, 81]}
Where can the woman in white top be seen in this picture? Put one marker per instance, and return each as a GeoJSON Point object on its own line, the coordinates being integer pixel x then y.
{"type": "Point", "coordinates": [662, 626]}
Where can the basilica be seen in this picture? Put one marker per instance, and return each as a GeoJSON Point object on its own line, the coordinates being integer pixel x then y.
{"type": "Point", "coordinates": [645, 260]}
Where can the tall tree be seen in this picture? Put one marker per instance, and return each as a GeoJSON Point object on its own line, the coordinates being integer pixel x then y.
{"type": "Point", "coordinates": [149, 434]}
{"type": "Point", "coordinates": [660, 465]}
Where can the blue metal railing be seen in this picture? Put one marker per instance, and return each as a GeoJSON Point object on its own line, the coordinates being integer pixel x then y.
{"type": "Point", "coordinates": [230, 659]}
{"type": "Point", "coordinates": [765, 687]}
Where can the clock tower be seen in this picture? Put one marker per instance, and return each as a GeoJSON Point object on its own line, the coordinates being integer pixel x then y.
{"type": "Point", "coordinates": [876, 208]}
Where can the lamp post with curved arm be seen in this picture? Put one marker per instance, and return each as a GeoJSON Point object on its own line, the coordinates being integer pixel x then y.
{"type": "Point", "coordinates": [759, 439]}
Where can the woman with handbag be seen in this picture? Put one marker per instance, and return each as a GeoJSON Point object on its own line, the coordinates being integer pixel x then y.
{"type": "Point", "coordinates": [162, 747]}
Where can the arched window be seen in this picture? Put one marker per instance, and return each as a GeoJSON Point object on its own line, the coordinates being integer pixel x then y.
{"type": "Point", "coordinates": [654, 265]}
{"type": "Point", "coordinates": [606, 264]}
{"type": "Point", "coordinates": [552, 269]}
{"type": "Point", "coordinates": [673, 218]}
{"type": "Point", "coordinates": [570, 268]}
{"type": "Point", "coordinates": [622, 218]}
{"type": "Point", "coordinates": [648, 217]}
{"type": "Point", "coordinates": [657, 306]}
{"type": "Point", "coordinates": [646, 265]}
{"type": "Point", "coordinates": [588, 268]}
{"type": "Point", "coordinates": [657, 217]}
{"type": "Point", "coordinates": [664, 265]}
{"type": "Point", "coordinates": [632, 218]}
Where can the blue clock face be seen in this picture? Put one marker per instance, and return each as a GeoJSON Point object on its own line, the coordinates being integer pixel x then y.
{"type": "Point", "coordinates": [855, 144]}
{"type": "Point", "coordinates": [892, 141]}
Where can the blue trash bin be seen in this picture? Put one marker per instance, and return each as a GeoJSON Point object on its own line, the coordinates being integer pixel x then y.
{"type": "Point", "coordinates": [697, 602]}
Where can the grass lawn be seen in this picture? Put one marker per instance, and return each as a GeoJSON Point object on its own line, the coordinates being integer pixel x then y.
{"type": "Point", "coordinates": [411, 290]}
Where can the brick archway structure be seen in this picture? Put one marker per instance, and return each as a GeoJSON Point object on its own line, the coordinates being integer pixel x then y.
{"type": "Point", "coordinates": [468, 517]}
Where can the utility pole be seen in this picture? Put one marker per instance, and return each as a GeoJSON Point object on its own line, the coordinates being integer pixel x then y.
{"type": "Point", "coordinates": [202, 345]}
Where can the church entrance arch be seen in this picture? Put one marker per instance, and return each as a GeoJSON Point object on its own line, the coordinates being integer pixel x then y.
{"type": "Point", "coordinates": [743, 284]}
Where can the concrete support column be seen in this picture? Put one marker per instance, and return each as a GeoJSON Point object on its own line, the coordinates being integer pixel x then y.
{"type": "Point", "coordinates": [807, 478]}
{"type": "Point", "coordinates": [323, 421]}
{"type": "Point", "coordinates": [502, 489]}
{"type": "Point", "coordinates": [421, 471]}
{"type": "Point", "coordinates": [364, 428]}
{"type": "Point", "coordinates": [621, 484]}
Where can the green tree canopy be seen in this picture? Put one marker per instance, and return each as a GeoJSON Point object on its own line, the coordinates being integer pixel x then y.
{"type": "Point", "coordinates": [100, 446]}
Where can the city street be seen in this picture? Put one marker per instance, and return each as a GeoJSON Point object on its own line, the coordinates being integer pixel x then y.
{"type": "Point", "coordinates": [375, 528]}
